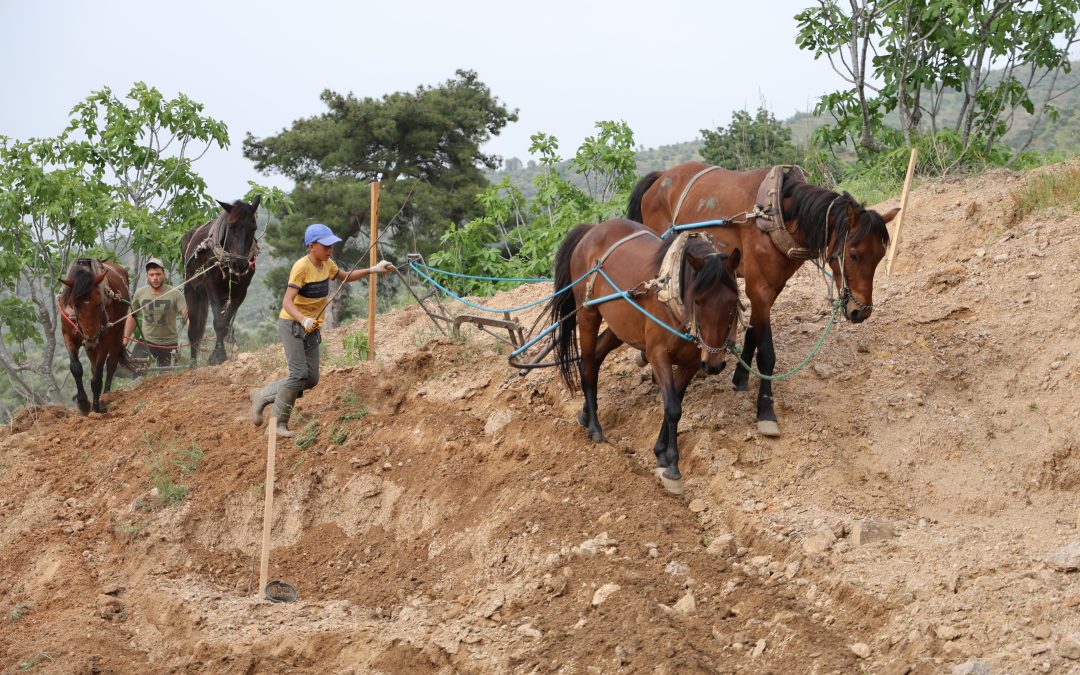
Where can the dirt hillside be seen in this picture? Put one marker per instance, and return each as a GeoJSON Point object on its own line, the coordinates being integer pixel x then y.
{"type": "Point", "coordinates": [918, 514]}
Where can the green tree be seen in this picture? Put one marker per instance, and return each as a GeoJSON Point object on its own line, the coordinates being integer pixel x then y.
{"type": "Point", "coordinates": [49, 214]}
{"type": "Point", "coordinates": [749, 142]}
{"type": "Point", "coordinates": [515, 238]}
{"type": "Point", "coordinates": [108, 186]}
{"type": "Point", "coordinates": [142, 148]}
{"type": "Point", "coordinates": [423, 147]}
{"type": "Point", "coordinates": [919, 49]}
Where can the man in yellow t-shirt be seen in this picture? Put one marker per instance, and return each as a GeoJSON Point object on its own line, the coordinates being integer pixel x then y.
{"type": "Point", "coordinates": [306, 296]}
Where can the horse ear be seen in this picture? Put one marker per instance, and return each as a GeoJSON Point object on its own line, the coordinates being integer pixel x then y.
{"type": "Point", "coordinates": [101, 277]}
{"type": "Point", "coordinates": [67, 282]}
{"type": "Point", "coordinates": [227, 207]}
{"type": "Point", "coordinates": [733, 260]}
{"type": "Point", "coordinates": [887, 217]}
{"type": "Point", "coordinates": [852, 216]}
{"type": "Point", "coordinates": [255, 202]}
{"type": "Point", "coordinates": [695, 262]}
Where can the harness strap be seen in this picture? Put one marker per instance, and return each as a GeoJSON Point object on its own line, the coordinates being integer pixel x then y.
{"type": "Point", "coordinates": [686, 191]}
{"type": "Point", "coordinates": [668, 281]}
{"type": "Point", "coordinates": [602, 259]}
{"type": "Point", "coordinates": [769, 212]}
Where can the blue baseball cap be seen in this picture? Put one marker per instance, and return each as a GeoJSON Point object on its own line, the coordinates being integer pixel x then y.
{"type": "Point", "coordinates": [320, 233]}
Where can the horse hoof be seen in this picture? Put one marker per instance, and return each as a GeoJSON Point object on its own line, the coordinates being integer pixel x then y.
{"type": "Point", "coordinates": [597, 437]}
{"type": "Point", "coordinates": [675, 487]}
{"type": "Point", "coordinates": [768, 428]}
{"type": "Point", "coordinates": [640, 360]}
{"type": "Point", "coordinates": [583, 420]}
{"type": "Point", "coordinates": [741, 386]}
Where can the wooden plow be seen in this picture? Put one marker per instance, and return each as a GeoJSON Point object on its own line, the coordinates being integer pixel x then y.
{"type": "Point", "coordinates": [526, 355]}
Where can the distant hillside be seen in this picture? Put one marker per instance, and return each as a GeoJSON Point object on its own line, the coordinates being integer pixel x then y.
{"type": "Point", "coordinates": [1063, 135]}
{"type": "Point", "coordinates": [648, 159]}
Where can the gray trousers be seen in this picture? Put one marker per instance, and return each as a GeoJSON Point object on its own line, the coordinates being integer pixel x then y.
{"type": "Point", "coordinates": [302, 357]}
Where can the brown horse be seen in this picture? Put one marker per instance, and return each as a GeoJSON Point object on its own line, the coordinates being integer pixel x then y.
{"type": "Point", "coordinates": [94, 303]}
{"type": "Point", "coordinates": [686, 286]}
{"type": "Point", "coordinates": [228, 244]}
{"type": "Point", "coordinates": [817, 223]}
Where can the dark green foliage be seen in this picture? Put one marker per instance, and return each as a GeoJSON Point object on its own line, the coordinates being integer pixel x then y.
{"type": "Point", "coordinates": [515, 237]}
{"type": "Point", "coordinates": [750, 142]}
{"type": "Point", "coordinates": [925, 49]}
{"type": "Point", "coordinates": [424, 148]}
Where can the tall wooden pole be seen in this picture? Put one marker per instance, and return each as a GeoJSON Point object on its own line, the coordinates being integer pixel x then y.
{"type": "Point", "coordinates": [268, 506]}
{"type": "Point", "coordinates": [373, 278]}
{"type": "Point", "coordinates": [895, 243]}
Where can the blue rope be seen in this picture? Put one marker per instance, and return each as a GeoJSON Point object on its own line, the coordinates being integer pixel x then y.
{"type": "Point", "coordinates": [469, 276]}
{"type": "Point", "coordinates": [694, 226]}
{"type": "Point", "coordinates": [463, 301]}
{"type": "Point", "coordinates": [626, 296]}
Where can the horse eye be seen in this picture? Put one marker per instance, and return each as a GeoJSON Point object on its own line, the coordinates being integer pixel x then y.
{"type": "Point", "coordinates": [854, 257]}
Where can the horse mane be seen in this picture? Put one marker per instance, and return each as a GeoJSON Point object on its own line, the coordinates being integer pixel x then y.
{"type": "Point", "coordinates": [82, 283]}
{"type": "Point", "coordinates": [240, 210]}
{"type": "Point", "coordinates": [712, 274]}
{"type": "Point", "coordinates": [633, 207]}
{"type": "Point", "coordinates": [810, 205]}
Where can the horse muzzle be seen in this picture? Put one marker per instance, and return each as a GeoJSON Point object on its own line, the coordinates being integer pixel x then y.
{"type": "Point", "coordinates": [712, 368]}
{"type": "Point", "coordinates": [857, 313]}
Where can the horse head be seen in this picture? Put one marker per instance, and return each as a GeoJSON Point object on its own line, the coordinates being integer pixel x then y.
{"type": "Point", "coordinates": [852, 238]}
{"type": "Point", "coordinates": [859, 245]}
{"type": "Point", "coordinates": [712, 299]}
{"type": "Point", "coordinates": [238, 241]}
{"type": "Point", "coordinates": [88, 301]}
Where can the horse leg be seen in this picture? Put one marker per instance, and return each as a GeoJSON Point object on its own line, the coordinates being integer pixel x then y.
{"type": "Point", "coordinates": [663, 376]}
{"type": "Point", "coordinates": [221, 326]}
{"type": "Point", "coordinates": [672, 415]}
{"type": "Point", "coordinates": [588, 327]}
{"type": "Point", "coordinates": [766, 359]}
{"type": "Point", "coordinates": [75, 366]}
{"type": "Point", "coordinates": [196, 324]}
{"type": "Point", "coordinates": [605, 344]}
{"type": "Point", "coordinates": [741, 378]}
{"type": "Point", "coordinates": [759, 336]}
{"type": "Point", "coordinates": [673, 384]}
{"type": "Point", "coordinates": [110, 368]}
{"type": "Point", "coordinates": [95, 382]}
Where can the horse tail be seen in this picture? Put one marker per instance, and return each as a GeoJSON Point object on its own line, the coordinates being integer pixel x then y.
{"type": "Point", "coordinates": [563, 308]}
{"type": "Point", "coordinates": [633, 209]}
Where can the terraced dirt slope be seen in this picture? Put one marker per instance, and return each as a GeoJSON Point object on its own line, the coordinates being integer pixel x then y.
{"type": "Point", "coordinates": [451, 516]}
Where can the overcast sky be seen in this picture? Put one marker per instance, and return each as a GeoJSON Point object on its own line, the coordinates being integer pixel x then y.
{"type": "Point", "coordinates": [668, 68]}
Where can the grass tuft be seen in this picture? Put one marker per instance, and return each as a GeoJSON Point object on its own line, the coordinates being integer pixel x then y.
{"type": "Point", "coordinates": [169, 459]}
{"type": "Point", "coordinates": [1060, 189]}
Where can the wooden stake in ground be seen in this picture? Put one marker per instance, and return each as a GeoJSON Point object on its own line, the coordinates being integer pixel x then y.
{"type": "Point", "coordinates": [268, 505]}
{"type": "Point", "coordinates": [903, 210]}
{"type": "Point", "coordinates": [373, 278]}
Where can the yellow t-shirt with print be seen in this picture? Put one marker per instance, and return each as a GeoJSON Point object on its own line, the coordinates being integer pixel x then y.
{"type": "Point", "coordinates": [314, 287]}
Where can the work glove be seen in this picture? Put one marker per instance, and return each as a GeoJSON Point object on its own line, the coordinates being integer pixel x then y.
{"type": "Point", "coordinates": [308, 324]}
{"type": "Point", "coordinates": [383, 267]}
